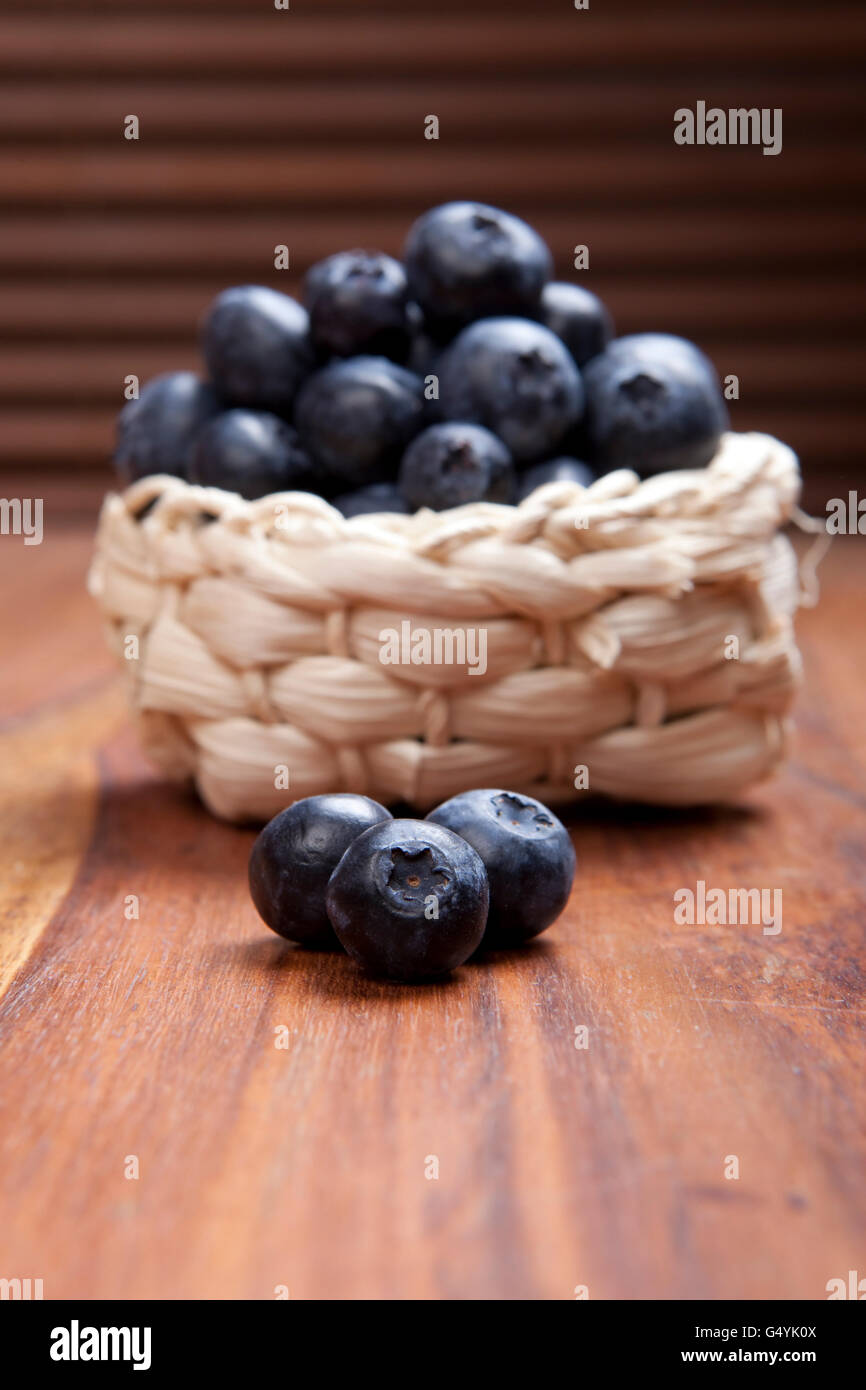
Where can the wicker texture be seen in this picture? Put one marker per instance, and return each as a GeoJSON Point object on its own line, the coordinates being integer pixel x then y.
{"type": "Point", "coordinates": [607, 613]}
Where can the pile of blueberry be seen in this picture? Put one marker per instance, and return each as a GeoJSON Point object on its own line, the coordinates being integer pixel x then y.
{"type": "Point", "coordinates": [412, 899]}
{"type": "Point", "coordinates": [461, 375]}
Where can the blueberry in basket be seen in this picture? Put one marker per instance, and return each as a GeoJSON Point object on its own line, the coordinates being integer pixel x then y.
{"type": "Point", "coordinates": [578, 317]}
{"type": "Point", "coordinates": [157, 432]}
{"type": "Point", "coordinates": [467, 261]}
{"type": "Point", "coordinates": [559, 470]}
{"type": "Point", "coordinates": [358, 303]}
{"type": "Point", "coordinates": [251, 452]}
{"type": "Point", "coordinates": [408, 900]}
{"type": "Point", "coordinates": [653, 403]}
{"type": "Point", "coordinates": [356, 416]}
{"type": "Point", "coordinates": [451, 464]}
{"type": "Point", "coordinates": [294, 856]}
{"type": "Point", "coordinates": [423, 385]}
{"type": "Point", "coordinates": [528, 855]}
{"type": "Point", "coordinates": [371, 500]}
{"type": "Point", "coordinates": [516, 378]}
{"type": "Point", "coordinates": [256, 344]}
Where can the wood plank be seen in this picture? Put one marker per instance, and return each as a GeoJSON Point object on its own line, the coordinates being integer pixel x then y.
{"type": "Point", "coordinates": [181, 177]}
{"type": "Point", "coordinates": [598, 110]}
{"type": "Point", "coordinates": [49, 439]}
{"type": "Point", "coordinates": [48, 373]}
{"type": "Point", "coordinates": [557, 1167]}
{"type": "Point", "coordinates": [735, 309]}
{"type": "Point", "coordinates": [300, 43]}
{"type": "Point", "coordinates": [648, 241]}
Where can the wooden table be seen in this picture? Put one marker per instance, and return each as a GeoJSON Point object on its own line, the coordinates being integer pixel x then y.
{"type": "Point", "coordinates": [304, 1166]}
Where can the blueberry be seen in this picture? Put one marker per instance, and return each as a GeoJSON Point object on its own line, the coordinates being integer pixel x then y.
{"type": "Point", "coordinates": [653, 403]}
{"type": "Point", "coordinates": [467, 261]}
{"type": "Point", "coordinates": [376, 497]}
{"type": "Point", "coordinates": [250, 452]}
{"type": "Point", "coordinates": [450, 464]}
{"type": "Point", "coordinates": [356, 416]}
{"type": "Point", "coordinates": [528, 855]}
{"type": "Point", "coordinates": [295, 855]}
{"type": "Point", "coordinates": [578, 317]}
{"type": "Point", "coordinates": [256, 344]}
{"type": "Point", "coordinates": [157, 432]}
{"type": "Point", "coordinates": [561, 470]}
{"type": "Point", "coordinates": [408, 900]}
{"type": "Point", "coordinates": [357, 302]}
{"type": "Point", "coordinates": [515, 377]}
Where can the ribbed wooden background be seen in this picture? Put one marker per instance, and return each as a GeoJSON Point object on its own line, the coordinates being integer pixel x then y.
{"type": "Point", "coordinates": [305, 127]}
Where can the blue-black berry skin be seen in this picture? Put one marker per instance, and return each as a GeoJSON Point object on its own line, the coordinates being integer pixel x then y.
{"type": "Point", "coordinates": [408, 900]}
{"type": "Point", "coordinates": [450, 464]}
{"type": "Point", "coordinates": [653, 403]}
{"type": "Point", "coordinates": [578, 317]}
{"type": "Point", "coordinates": [371, 500]}
{"type": "Point", "coordinates": [257, 347]}
{"type": "Point", "coordinates": [517, 379]}
{"type": "Point", "coordinates": [561, 470]}
{"type": "Point", "coordinates": [528, 855]}
{"type": "Point", "coordinates": [468, 261]}
{"type": "Point", "coordinates": [251, 452]}
{"type": "Point", "coordinates": [157, 432]}
{"type": "Point", "coordinates": [294, 857]}
{"type": "Point", "coordinates": [356, 416]}
{"type": "Point", "coordinates": [358, 303]}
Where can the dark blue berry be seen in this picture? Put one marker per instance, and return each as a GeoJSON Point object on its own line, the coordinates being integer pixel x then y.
{"type": "Point", "coordinates": [295, 855]}
{"type": "Point", "coordinates": [408, 900]}
{"type": "Point", "coordinates": [653, 403]}
{"type": "Point", "coordinates": [527, 853]}
{"type": "Point", "coordinates": [355, 418]}
{"type": "Point", "coordinates": [357, 302]}
{"type": "Point", "coordinates": [467, 261]}
{"type": "Point", "coordinates": [157, 432]}
{"type": "Point", "coordinates": [251, 452]}
{"type": "Point", "coordinates": [562, 470]}
{"type": "Point", "coordinates": [448, 465]}
{"type": "Point", "coordinates": [367, 501]}
{"type": "Point", "coordinates": [515, 377]}
{"type": "Point", "coordinates": [256, 344]}
{"type": "Point", "coordinates": [578, 317]}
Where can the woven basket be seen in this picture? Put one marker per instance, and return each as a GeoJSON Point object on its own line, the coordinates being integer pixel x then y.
{"type": "Point", "coordinates": [609, 616]}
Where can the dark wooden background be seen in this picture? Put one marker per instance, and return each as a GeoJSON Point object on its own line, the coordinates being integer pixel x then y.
{"type": "Point", "coordinates": [261, 127]}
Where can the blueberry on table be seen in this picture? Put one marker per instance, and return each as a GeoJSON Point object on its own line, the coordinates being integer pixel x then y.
{"type": "Point", "coordinates": [448, 465]}
{"type": "Point", "coordinates": [528, 855]}
{"type": "Point", "coordinates": [408, 900]}
{"type": "Point", "coordinates": [653, 403]}
{"type": "Point", "coordinates": [357, 302]}
{"type": "Point", "coordinates": [157, 432]}
{"type": "Point", "coordinates": [356, 416]}
{"type": "Point", "coordinates": [250, 452]}
{"type": "Point", "coordinates": [578, 317]}
{"type": "Point", "coordinates": [516, 378]}
{"type": "Point", "coordinates": [561, 470]}
{"type": "Point", "coordinates": [256, 344]}
{"type": "Point", "coordinates": [368, 501]}
{"type": "Point", "coordinates": [295, 855]}
{"type": "Point", "coordinates": [468, 261]}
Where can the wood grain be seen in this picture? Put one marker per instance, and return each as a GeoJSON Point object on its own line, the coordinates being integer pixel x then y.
{"type": "Point", "coordinates": [261, 128]}
{"type": "Point", "coordinates": [305, 1166]}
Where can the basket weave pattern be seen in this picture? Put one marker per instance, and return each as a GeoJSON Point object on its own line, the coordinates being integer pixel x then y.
{"type": "Point", "coordinates": [608, 614]}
